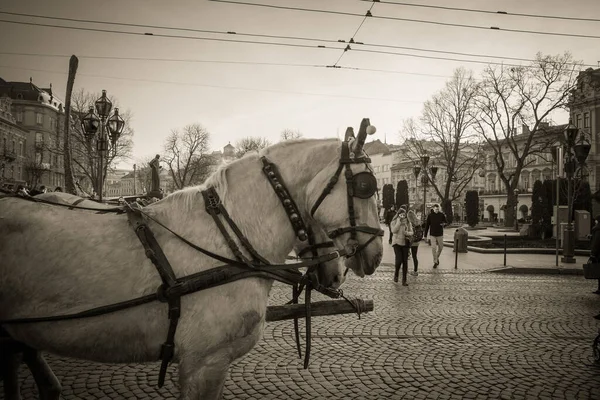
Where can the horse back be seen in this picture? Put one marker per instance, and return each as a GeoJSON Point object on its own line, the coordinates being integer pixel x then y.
{"type": "Point", "coordinates": [52, 255]}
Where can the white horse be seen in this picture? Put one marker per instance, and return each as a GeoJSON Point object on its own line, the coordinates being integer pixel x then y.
{"type": "Point", "coordinates": [55, 261]}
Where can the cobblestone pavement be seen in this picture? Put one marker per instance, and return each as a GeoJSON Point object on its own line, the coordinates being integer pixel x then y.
{"type": "Point", "coordinates": [449, 335]}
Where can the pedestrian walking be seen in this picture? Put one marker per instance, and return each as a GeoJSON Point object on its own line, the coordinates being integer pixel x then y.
{"type": "Point", "coordinates": [417, 238]}
{"type": "Point", "coordinates": [389, 215]}
{"type": "Point", "coordinates": [402, 230]}
{"type": "Point", "coordinates": [595, 246]}
{"type": "Point", "coordinates": [435, 223]}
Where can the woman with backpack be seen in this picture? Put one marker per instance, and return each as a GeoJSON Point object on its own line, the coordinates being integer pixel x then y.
{"type": "Point", "coordinates": [416, 239]}
{"type": "Point", "coordinates": [402, 230]}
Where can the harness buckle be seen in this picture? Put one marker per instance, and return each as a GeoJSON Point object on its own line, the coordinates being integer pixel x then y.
{"type": "Point", "coordinates": [167, 351]}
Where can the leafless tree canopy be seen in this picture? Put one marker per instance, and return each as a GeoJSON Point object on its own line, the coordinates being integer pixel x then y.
{"type": "Point", "coordinates": [290, 134]}
{"type": "Point", "coordinates": [250, 143]}
{"type": "Point", "coordinates": [187, 155]}
{"type": "Point", "coordinates": [511, 97]}
{"type": "Point", "coordinates": [445, 133]}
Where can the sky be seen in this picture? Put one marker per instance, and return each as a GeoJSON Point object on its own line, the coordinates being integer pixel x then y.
{"type": "Point", "coordinates": [237, 90]}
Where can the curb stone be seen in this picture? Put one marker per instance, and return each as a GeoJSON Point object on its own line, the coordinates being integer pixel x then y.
{"type": "Point", "coordinates": [535, 270]}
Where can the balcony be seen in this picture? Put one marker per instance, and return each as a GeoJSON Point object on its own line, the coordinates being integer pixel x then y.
{"type": "Point", "coordinates": [9, 155]}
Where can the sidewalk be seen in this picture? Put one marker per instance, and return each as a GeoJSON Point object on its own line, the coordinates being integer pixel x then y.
{"type": "Point", "coordinates": [515, 263]}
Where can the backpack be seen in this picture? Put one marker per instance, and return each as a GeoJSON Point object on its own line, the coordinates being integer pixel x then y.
{"type": "Point", "coordinates": [418, 233]}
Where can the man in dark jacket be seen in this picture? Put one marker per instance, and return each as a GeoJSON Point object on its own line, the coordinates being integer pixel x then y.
{"type": "Point", "coordinates": [436, 221]}
{"type": "Point", "coordinates": [595, 246]}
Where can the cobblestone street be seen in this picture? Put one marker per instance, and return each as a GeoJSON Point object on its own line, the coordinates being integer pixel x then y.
{"type": "Point", "coordinates": [449, 335]}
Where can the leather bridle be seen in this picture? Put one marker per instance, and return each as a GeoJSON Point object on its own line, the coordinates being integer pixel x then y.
{"type": "Point", "coordinates": [362, 185]}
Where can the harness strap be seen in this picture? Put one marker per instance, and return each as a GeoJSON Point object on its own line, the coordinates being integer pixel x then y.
{"type": "Point", "coordinates": [366, 229]}
{"type": "Point", "coordinates": [307, 263]}
{"type": "Point", "coordinates": [245, 242]}
{"type": "Point", "coordinates": [329, 187]}
{"type": "Point", "coordinates": [289, 205]}
{"type": "Point", "coordinates": [160, 261]}
{"type": "Point", "coordinates": [211, 201]}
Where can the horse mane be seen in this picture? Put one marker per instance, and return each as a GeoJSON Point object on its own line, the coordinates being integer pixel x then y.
{"type": "Point", "coordinates": [218, 179]}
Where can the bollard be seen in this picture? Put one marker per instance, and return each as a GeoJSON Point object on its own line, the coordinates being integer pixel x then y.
{"type": "Point", "coordinates": [505, 250]}
{"type": "Point", "coordinates": [456, 254]}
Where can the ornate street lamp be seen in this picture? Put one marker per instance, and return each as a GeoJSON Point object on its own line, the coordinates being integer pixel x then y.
{"type": "Point", "coordinates": [90, 124]}
{"type": "Point", "coordinates": [576, 155]}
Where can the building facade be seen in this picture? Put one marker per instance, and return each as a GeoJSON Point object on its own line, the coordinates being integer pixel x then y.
{"type": "Point", "coordinates": [40, 114]}
{"type": "Point", "coordinates": [13, 140]}
{"type": "Point", "coordinates": [584, 108]}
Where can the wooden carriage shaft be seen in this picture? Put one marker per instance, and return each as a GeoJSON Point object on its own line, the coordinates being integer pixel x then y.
{"type": "Point", "coordinates": [319, 308]}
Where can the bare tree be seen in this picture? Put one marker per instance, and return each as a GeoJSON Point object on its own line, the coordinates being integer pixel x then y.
{"type": "Point", "coordinates": [83, 150]}
{"type": "Point", "coordinates": [514, 97]}
{"type": "Point", "coordinates": [187, 155]}
{"type": "Point", "coordinates": [290, 134]}
{"type": "Point", "coordinates": [250, 143]}
{"type": "Point", "coordinates": [445, 133]}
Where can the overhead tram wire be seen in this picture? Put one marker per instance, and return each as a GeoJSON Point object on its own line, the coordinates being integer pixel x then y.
{"type": "Point", "coordinates": [171, 28]}
{"type": "Point", "coordinates": [223, 87]}
{"type": "Point", "coordinates": [496, 28]}
{"type": "Point", "coordinates": [172, 36]}
{"type": "Point", "coordinates": [273, 37]}
{"type": "Point", "coordinates": [474, 10]}
{"type": "Point", "coordinates": [335, 65]}
{"type": "Point", "coordinates": [224, 62]}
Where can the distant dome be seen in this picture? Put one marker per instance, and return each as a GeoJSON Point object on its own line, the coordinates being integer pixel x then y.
{"type": "Point", "coordinates": [228, 150]}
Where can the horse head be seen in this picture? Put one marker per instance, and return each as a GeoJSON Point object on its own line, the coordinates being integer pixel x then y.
{"type": "Point", "coordinates": [346, 206]}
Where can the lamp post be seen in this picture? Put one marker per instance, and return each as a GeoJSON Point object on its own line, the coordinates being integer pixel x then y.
{"type": "Point", "coordinates": [114, 124]}
{"type": "Point", "coordinates": [516, 192]}
{"type": "Point", "coordinates": [557, 158]}
{"type": "Point", "coordinates": [425, 177]}
{"type": "Point", "coordinates": [575, 156]}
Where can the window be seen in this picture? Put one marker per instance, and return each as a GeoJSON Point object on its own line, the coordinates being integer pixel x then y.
{"type": "Point", "coordinates": [19, 116]}
{"type": "Point", "coordinates": [39, 138]}
{"type": "Point", "coordinates": [578, 124]}
{"type": "Point", "coordinates": [21, 148]}
{"type": "Point", "coordinates": [586, 120]}
{"type": "Point", "coordinates": [39, 118]}
{"type": "Point", "coordinates": [13, 146]}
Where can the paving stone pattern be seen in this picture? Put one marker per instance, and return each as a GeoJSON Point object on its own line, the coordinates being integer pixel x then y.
{"type": "Point", "coordinates": [449, 335]}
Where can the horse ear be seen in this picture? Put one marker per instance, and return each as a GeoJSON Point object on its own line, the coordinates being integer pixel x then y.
{"type": "Point", "coordinates": [349, 134]}
{"type": "Point", "coordinates": [365, 128]}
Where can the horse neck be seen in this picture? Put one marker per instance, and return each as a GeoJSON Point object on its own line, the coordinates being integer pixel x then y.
{"type": "Point", "coordinates": [250, 200]}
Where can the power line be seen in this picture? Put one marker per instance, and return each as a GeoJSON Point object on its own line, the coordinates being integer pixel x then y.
{"type": "Point", "coordinates": [473, 10]}
{"type": "Point", "coordinates": [411, 20]}
{"type": "Point", "coordinates": [171, 36]}
{"type": "Point", "coordinates": [223, 87]}
{"type": "Point", "coordinates": [225, 62]}
{"type": "Point", "coordinates": [282, 37]}
{"type": "Point", "coordinates": [172, 28]}
{"type": "Point", "coordinates": [433, 57]}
